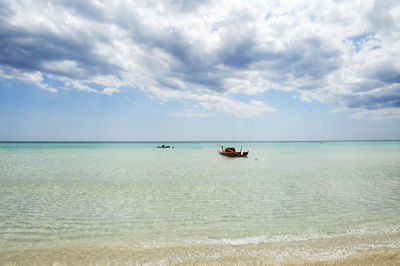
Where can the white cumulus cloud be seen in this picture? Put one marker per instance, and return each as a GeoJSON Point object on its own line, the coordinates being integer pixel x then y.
{"type": "Point", "coordinates": [342, 52]}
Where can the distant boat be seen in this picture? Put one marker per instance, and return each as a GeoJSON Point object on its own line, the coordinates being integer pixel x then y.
{"type": "Point", "coordinates": [163, 146]}
{"type": "Point", "coordinates": [231, 152]}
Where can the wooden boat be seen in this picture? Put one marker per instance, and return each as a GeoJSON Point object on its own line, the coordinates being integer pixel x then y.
{"type": "Point", "coordinates": [231, 152]}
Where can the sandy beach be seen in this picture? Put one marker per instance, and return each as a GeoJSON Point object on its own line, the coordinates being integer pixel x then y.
{"type": "Point", "coordinates": [335, 251]}
{"type": "Point", "coordinates": [184, 256]}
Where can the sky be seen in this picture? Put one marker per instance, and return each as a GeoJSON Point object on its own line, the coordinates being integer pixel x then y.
{"type": "Point", "coordinates": [201, 70]}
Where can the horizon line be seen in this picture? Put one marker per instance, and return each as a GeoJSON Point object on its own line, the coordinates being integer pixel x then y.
{"type": "Point", "coordinates": [187, 141]}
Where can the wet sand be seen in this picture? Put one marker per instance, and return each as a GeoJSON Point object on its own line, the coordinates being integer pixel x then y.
{"type": "Point", "coordinates": [337, 251]}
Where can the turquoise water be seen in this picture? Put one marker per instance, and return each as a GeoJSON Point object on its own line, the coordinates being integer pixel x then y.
{"type": "Point", "coordinates": [133, 194]}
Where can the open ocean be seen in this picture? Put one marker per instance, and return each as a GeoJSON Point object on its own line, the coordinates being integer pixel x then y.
{"type": "Point", "coordinates": [128, 203]}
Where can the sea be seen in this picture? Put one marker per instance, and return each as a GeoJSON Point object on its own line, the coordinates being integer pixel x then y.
{"type": "Point", "coordinates": [128, 203]}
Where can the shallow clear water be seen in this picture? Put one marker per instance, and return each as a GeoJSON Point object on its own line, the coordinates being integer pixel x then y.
{"type": "Point", "coordinates": [133, 194]}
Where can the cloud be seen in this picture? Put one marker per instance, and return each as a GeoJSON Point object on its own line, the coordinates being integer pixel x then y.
{"type": "Point", "coordinates": [190, 114]}
{"type": "Point", "coordinates": [83, 87]}
{"type": "Point", "coordinates": [218, 102]}
{"type": "Point", "coordinates": [31, 77]}
{"type": "Point", "coordinates": [385, 113]}
{"type": "Point", "coordinates": [209, 52]}
{"type": "Point", "coordinates": [238, 108]}
{"type": "Point", "coordinates": [109, 91]}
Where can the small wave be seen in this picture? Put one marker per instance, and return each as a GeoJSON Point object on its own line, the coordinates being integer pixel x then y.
{"type": "Point", "coordinates": [323, 251]}
{"type": "Point", "coordinates": [388, 229]}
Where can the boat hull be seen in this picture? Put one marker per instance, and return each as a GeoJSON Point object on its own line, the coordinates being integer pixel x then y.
{"type": "Point", "coordinates": [233, 154]}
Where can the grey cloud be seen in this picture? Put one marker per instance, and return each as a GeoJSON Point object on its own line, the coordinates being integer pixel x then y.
{"type": "Point", "coordinates": [189, 64]}
{"type": "Point", "coordinates": [387, 75]}
{"type": "Point", "coordinates": [168, 39]}
{"type": "Point", "coordinates": [373, 102]}
{"type": "Point", "coordinates": [308, 58]}
{"type": "Point", "coordinates": [240, 54]}
{"type": "Point", "coordinates": [380, 17]}
{"type": "Point", "coordinates": [312, 58]}
{"type": "Point", "coordinates": [84, 8]}
{"type": "Point", "coordinates": [186, 5]}
{"type": "Point", "coordinates": [28, 51]}
{"type": "Point", "coordinates": [380, 89]}
{"type": "Point", "coordinates": [366, 85]}
{"type": "Point", "coordinates": [5, 12]}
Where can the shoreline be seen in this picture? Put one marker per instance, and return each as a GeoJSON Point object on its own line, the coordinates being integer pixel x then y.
{"type": "Point", "coordinates": [359, 250]}
{"type": "Point", "coordinates": [243, 254]}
